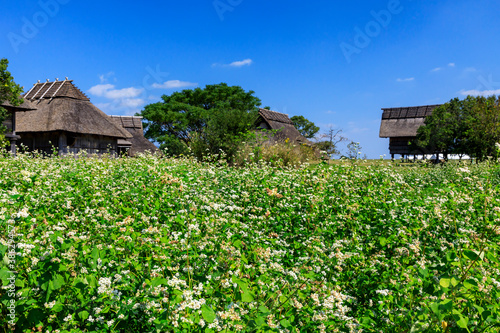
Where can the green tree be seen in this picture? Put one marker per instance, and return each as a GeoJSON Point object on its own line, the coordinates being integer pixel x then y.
{"type": "Point", "coordinates": [307, 128]}
{"type": "Point", "coordinates": [10, 92]}
{"type": "Point", "coordinates": [483, 129]}
{"type": "Point", "coordinates": [464, 127]}
{"type": "Point", "coordinates": [445, 130]}
{"type": "Point", "coordinates": [206, 120]}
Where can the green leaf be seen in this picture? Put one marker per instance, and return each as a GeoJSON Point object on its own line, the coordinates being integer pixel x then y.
{"type": "Point", "coordinates": [450, 256]}
{"type": "Point", "coordinates": [435, 308]}
{"type": "Point", "coordinates": [80, 283]}
{"type": "Point", "coordinates": [58, 282]}
{"type": "Point", "coordinates": [50, 288]}
{"type": "Point", "coordinates": [95, 255]}
{"type": "Point", "coordinates": [5, 274]}
{"type": "Point", "coordinates": [261, 320]}
{"type": "Point", "coordinates": [472, 255]}
{"type": "Point", "coordinates": [263, 310]}
{"type": "Point", "coordinates": [446, 305]}
{"type": "Point", "coordinates": [285, 323]}
{"type": "Point", "coordinates": [382, 241]}
{"type": "Point", "coordinates": [246, 296]}
{"type": "Point", "coordinates": [469, 284]}
{"type": "Point", "coordinates": [491, 257]}
{"type": "Point", "coordinates": [463, 322]}
{"type": "Point", "coordinates": [445, 282]}
{"type": "Point", "coordinates": [19, 283]}
{"type": "Point", "coordinates": [83, 315]}
{"type": "Point", "coordinates": [158, 281]}
{"type": "Point", "coordinates": [207, 313]}
{"type": "Point", "coordinates": [58, 307]}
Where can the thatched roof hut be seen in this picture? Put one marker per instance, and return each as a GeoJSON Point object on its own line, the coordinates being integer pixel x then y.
{"type": "Point", "coordinates": [63, 107]}
{"type": "Point", "coordinates": [133, 125]}
{"type": "Point", "coordinates": [66, 120]}
{"type": "Point", "coordinates": [400, 125]}
{"type": "Point", "coordinates": [272, 120]}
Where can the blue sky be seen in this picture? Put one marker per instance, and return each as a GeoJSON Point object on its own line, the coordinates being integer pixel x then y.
{"type": "Point", "coordinates": [336, 63]}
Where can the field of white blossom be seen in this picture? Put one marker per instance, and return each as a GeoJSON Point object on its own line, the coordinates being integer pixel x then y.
{"type": "Point", "coordinates": [173, 245]}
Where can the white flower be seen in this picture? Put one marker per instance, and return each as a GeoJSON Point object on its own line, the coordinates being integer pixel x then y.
{"type": "Point", "coordinates": [104, 285]}
{"type": "Point", "coordinates": [465, 170]}
{"type": "Point", "coordinates": [23, 212]}
{"type": "Point", "coordinates": [68, 318]}
{"type": "Point", "coordinates": [50, 305]}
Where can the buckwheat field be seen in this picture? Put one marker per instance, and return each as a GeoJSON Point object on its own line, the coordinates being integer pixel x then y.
{"type": "Point", "coordinates": [172, 245]}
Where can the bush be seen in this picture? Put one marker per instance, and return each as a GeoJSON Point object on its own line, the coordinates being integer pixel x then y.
{"type": "Point", "coordinates": [258, 148]}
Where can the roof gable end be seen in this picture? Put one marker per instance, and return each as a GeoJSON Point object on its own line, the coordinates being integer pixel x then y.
{"type": "Point", "coordinates": [56, 89]}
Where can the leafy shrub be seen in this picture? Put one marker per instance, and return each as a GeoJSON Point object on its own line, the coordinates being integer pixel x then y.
{"type": "Point", "coordinates": [257, 148]}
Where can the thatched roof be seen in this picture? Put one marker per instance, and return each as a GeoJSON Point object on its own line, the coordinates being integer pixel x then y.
{"type": "Point", "coordinates": [405, 121]}
{"type": "Point", "coordinates": [134, 126]}
{"type": "Point", "coordinates": [56, 89]}
{"type": "Point", "coordinates": [279, 121]}
{"type": "Point", "coordinates": [25, 106]}
{"type": "Point", "coordinates": [61, 106]}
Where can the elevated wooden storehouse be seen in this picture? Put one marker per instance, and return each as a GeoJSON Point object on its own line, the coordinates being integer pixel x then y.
{"type": "Point", "coordinates": [400, 125]}
{"type": "Point", "coordinates": [10, 122]}
{"type": "Point", "coordinates": [272, 120]}
{"type": "Point", "coordinates": [133, 125]}
{"type": "Point", "coordinates": [66, 120]}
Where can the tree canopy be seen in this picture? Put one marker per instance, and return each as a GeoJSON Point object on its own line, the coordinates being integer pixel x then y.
{"type": "Point", "coordinates": [211, 119]}
{"type": "Point", "coordinates": [463, 127]}
{"type": "Point", "coordinates": [9, 91]}
{"type": "Point", "coordinates": [307, 128]}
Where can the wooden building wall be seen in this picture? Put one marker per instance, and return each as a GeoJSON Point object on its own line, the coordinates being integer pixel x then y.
{"type": "Point", "coordinates": [65, 143]}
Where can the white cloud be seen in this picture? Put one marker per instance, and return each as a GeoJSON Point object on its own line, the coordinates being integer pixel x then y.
{"type": "Point", "coordinates": [451, 64]}
{"type": "Point", "coordinates": [475, 92]}
{"type": "Point", "coordinates": [174, 84]}
{"type": "Point", "coordinates": [100, 89]}
{"type": "Point", "coordinates": [109, 91]}
{"type": "Point", "coordinates": [236, 64]}
{"type": "Point", "coordinates": [437, 69]}
{"type": "Point", "coordinates": [246, 62]}
{"type": "Point", "coordinates": [119, 99]}
{"type": "Point", "coordinates": [406, 80]}
{"type": "Point", "coordinates": [123, 93]}
{"type": "Point", "coordinates": [132, 102]}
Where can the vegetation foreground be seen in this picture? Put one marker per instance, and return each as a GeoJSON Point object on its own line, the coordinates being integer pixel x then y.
{"type": "Point", "coordinates": [172, 245]}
